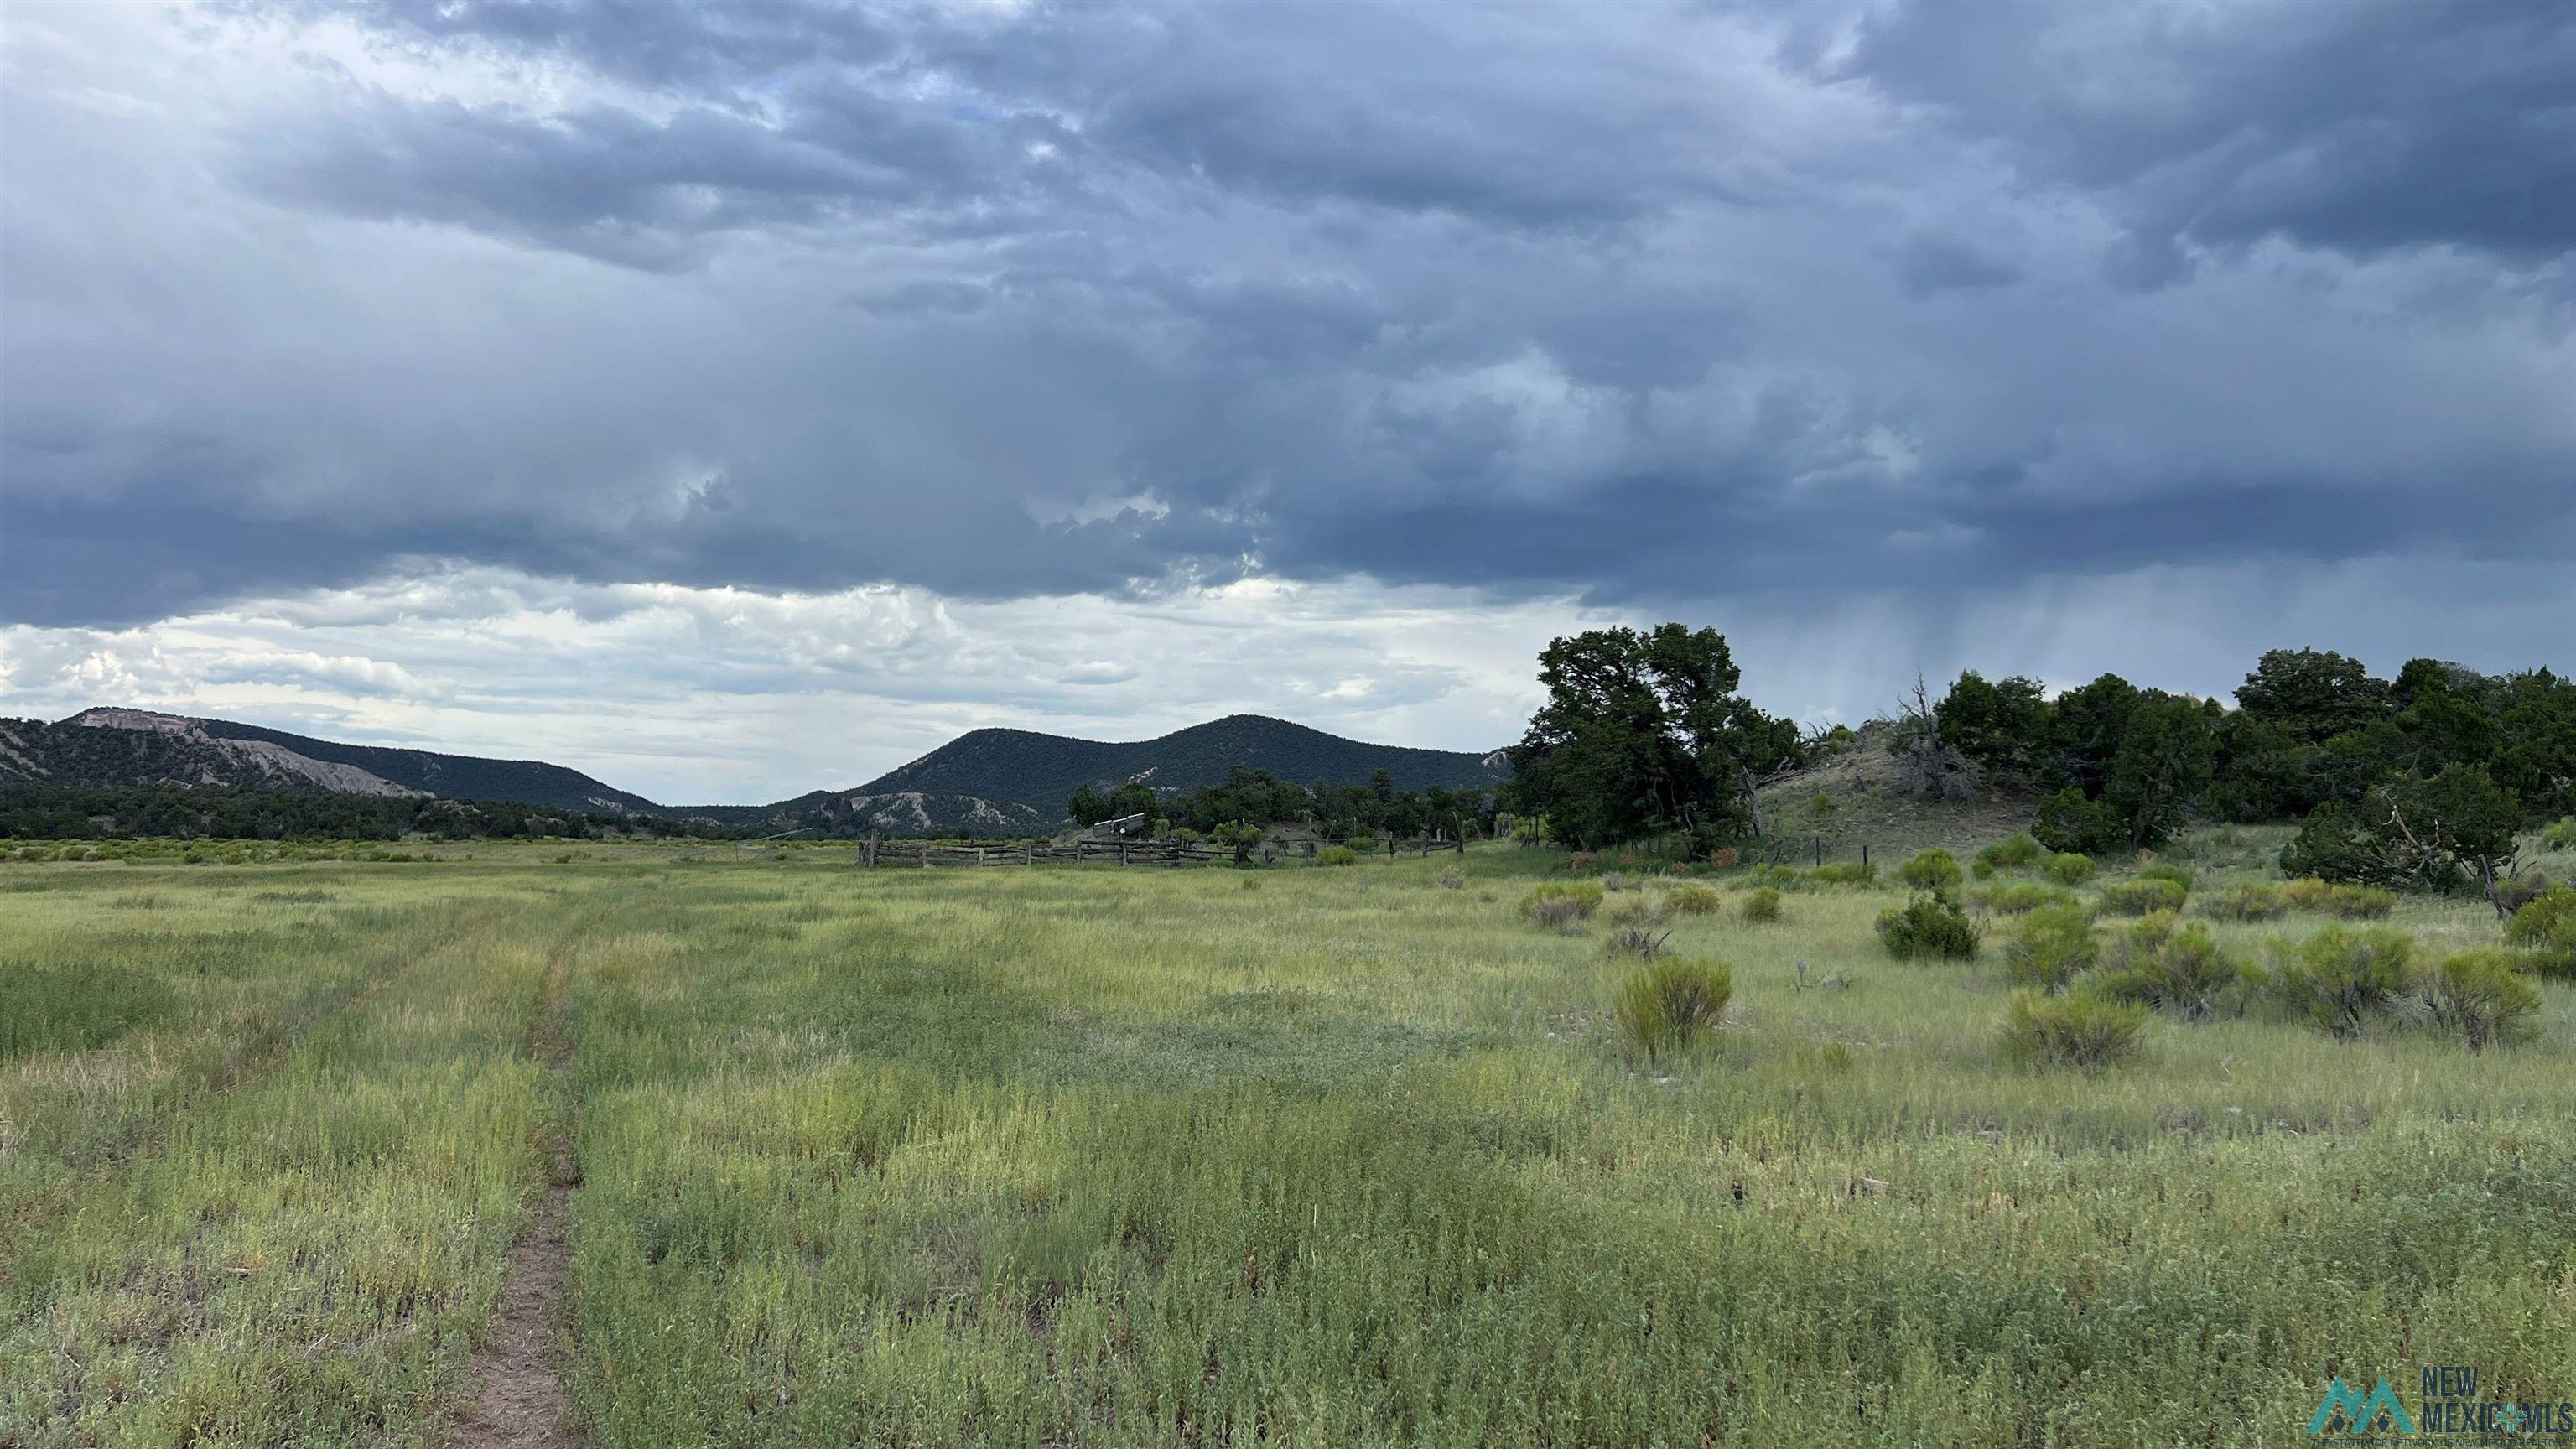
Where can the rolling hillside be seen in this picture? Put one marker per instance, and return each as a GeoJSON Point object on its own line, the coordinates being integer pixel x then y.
{"type": "Point", "coordinates": [1007, 782]}
{"type": "Point", "coordinates": [1043, 769]}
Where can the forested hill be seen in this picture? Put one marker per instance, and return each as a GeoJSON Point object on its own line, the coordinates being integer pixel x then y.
{"type": "Point", "coordinates": [1043, 770]}
{"type": "Point", "coordinates": [458, 777]}
{"type": "Point", "coordinates": [132, 747]}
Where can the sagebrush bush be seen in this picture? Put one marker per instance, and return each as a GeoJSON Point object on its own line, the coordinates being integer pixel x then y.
{"type": "Point", "coordinates": [2546, 927]}
{"type": "Point", "coordinates": [2167, 870]}
{"type": "Point", "coordinates": [1724, 857]}
{"type": "Point", "coordinates": [1554, 914]}
{"type": "Point", "coordinates": [1928, 927]}
{"type": "Point", "coordinates": [1337, 855]}
{"type": "Point", "coordinates": [2351, 902]}
{"type": "Point", "coordinates": [2345, 979]}
{"type": "Point", "coordinates": [1638, 912]}
{"type": "Point", "coordinates": [2069, 868]}
{"type": "Point", "coordinates": [1761, 907]}
{"type": "Point", "coordinates": [2050, 947]}
{"type": "Point", "coordinates": [1667, 1006]}
{"type": "Point", "coordinates": [2559, 834]}
{"type": "Point", "coordinates": [2079, 1029]}
{"type": "Point", "coordinates": [2248, 901]}
{"type": "Point", "coordinates": [2018, 852]}
{"type": "Point", "coordinates": [1844, 872]}
{"type": "Point", "coordinates": [2020, 897]}
{"type": "Point", "coordinates": [2484, 995]}
{"type": "Point", "coordinates": [1931, 870]}
{"type": "Point", "coordinates": [1575, 900]}
{"type": "Point", "coordinates": [2175, 968]}
{"type": "Point", "coordinates": [1694, 901]}
{"type": "Point", "coordinates": [2512, 895]}
{"type": "Point", "coordinates": [2136, 897]}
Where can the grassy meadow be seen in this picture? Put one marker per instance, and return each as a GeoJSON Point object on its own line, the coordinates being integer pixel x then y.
{"type": "Point", "coordinates": [1076, 1155]}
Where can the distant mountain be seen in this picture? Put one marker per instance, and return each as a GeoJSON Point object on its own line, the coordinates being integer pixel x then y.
{"type": "Point", "coordinates": [984, 782]}
{"type": "Point", "coordinates": [144, 747]}
{"type": "Point", "coordinates": [1002, 782]}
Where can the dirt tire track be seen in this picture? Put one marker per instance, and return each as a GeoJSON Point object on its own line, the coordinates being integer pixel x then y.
{"type": "Point", "coordinates": [522, 1404]}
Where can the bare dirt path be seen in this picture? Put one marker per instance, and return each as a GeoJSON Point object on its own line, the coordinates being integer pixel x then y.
{"type": "Point", "coordinates": [523, 1404]}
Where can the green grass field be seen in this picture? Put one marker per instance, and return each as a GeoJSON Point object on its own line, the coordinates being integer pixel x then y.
{"type": "Point", "coordinates": [1304, 1156]}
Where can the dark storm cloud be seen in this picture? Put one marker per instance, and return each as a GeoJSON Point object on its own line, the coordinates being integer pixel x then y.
{"type": "Point", "coordinates": [2361, 125]}
{"type": "Point", "coordinates": [1630, 301]}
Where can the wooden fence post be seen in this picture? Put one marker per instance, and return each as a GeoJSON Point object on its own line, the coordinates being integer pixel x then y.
{"type": "Point", "coordinates": [872, 850]}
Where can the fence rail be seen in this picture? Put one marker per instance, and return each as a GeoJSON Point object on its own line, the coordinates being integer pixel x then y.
{"type": "Point", "coordinates": [923, 855]}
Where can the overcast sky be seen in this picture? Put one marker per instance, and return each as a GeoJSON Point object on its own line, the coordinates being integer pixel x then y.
{"type": "Point", "coordinates": [735, 399]}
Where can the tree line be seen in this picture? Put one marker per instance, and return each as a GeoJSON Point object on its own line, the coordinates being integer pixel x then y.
{"type": "Point", "coordinates": [1257, 797]}
{"type": "Point", "coordinates": [207, 812]}
{"type": "Point", "coordinates": [2421, 779]}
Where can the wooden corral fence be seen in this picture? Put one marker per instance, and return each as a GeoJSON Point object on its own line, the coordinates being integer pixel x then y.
{"type": "Point", "coordinates": [924, 855]}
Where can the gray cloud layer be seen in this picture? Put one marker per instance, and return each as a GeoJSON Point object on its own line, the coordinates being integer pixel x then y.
{"type": "Point", "coordinates": [1637, 302]}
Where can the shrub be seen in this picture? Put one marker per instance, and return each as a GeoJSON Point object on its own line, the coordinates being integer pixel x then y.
{"type": "Point", "coordinates": [1617, 882]}
{"type": "Point", "coordinates": [2020, 898]}
{"type": "Point", "coordinates": [2080, 1029]}
{"type": "Point", "coordinates": [2559, 834]}
{"type": "Point", "coordinates": [2351, 902]}
{"type": "Point", "coordinates": [1337, 855]}
{"type": "Point", "coordinates": [1579, 900]}
{"type": "Point", "coordinates": [1640, 940]}
{"type": "Point", "coordinates": [2165, 870]}
{"type": "Point", "coordinates": [2017, 853]}
{"type": "Point", "coordinates": [2070, 824]}
{"type": "Point", "coordinates": [2175, 968]}
{"type": "Point", "coordinates": [2547, 927]}
{"type": "Point", "coordinates": [2068, 868]}
{"type": "Point", "coordinates": [2050, 947]}
{"type": "Point", "coordinates": [1581, 862]}
{"type": "Point", "coordinates": [2140, 897]}
{"type": "Point", "coordinates": [1554, 914]}
{"type": "Point", "coordinates": [1693, 901]}
{"type": "Point", "coordinates": [1761, 907]}
{"type": "Point", "coordinates": [1639, 912]}
{"type": "Point", "coordinates": [1844, 872]}
{"type": "Point", "coordinates": [1777, 877]}
{"type": "Point", "coordinates": [2484, 995]}
{"type": "Point", "coordinates": [2333, 844]}
{"type": "Point", "coordinates": [2512, 895]}
{"type": "Point", "coordinates": [2345, 978]}
{"type": "Point", "coordinates": [1931, 870]}
{"type": "Point", "coordinates": [2248, 901]}
{"type": "Point", "coordinates": [1452, 879]}
{"type": "Point", "coordinates": [1724, 857]}
{"type": "Point", "coordinates": [1930, 926]}
{"type": "Point", "coordinates": [1668, 1005]}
